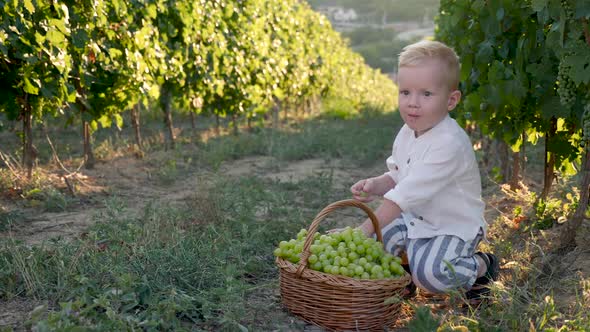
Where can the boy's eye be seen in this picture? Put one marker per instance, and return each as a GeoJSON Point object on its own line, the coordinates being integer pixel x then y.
{"type": "Point", "coordinates": [427, 93]}
{"type": "Point", "coordinates": [404, 92]}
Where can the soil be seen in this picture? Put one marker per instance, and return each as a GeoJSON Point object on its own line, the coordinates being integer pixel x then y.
{"type": "Point", "coordinates": [135, 182]}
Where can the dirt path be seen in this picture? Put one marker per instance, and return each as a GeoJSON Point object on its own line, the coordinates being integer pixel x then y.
{"type": "Point", "coordinates": [126, 180]}
{"type": "Point", "coordinates": [134, 183]}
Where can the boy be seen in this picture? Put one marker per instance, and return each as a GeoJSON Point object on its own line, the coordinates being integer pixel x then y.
{"type": "Point", "coordinates": [432, 205]}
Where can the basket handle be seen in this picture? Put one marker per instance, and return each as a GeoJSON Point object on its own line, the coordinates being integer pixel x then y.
{"type": "Point", "coordinates": [305, 253]}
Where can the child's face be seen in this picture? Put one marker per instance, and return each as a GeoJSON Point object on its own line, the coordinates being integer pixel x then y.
{"type": "Point", "coordinates": [425, 97]}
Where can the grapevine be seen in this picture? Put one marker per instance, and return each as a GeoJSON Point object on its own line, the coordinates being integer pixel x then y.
{"type": "Point", "coordinates": [585, 126]}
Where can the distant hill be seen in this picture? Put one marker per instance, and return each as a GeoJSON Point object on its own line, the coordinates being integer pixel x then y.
{"type": "Point", "coordinates": [385, 11]}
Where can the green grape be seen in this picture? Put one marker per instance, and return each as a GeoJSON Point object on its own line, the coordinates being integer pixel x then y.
{"type": "Point", "coordinates": [317, 266]}
{"type": "Point", "coordinates": [378, 275]}
{"type": "Point", "coordinates": [332, 253]}
{"type": "Point", "coordinates": [361, 249]}
{"type": "Point", "coordinates": [342, 251]}
{"type": "Point", "coordinates": [344, 261]}
{"type": "Point", "coordinates": [396, 268]}
{"type": "Point", "coordinates": [294, 258]}
{"type": "Point", "coordinates": [358, 270]}
{"type": "Point", "coordinates": [352, 256]}
{"type": "Point", "coordinates": [316, 248]}
{"type": "Point", "coordinates": [325, 239]}
{"type": "Point", "coordinates": [284, 245]}
{"type": "Point", "coordinates": [302, 233]}
{"type": "Point", "coordinates": [337, 261]}
{"type": "Point", "coordinates": [335, 270]}
{"type": "Point", "coordinates": [376, 269]}
{"type": "Point", "coordinates": [344, 271]}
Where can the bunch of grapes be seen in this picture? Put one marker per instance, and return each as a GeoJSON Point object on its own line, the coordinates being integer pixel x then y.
{"type": "Point", "coordinates": [566, 88]}
{"type": "Point", "coordinates": [348, 253]}
{"type": "Point", "coordinates": [567, 8]}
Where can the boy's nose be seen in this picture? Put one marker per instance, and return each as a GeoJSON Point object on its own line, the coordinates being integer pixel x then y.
{"type": "Point", "coordinates": [413, 102]}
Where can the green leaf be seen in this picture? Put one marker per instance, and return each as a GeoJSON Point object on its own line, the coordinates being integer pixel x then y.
{"type": "Point", "coordinates": [423, 320]}
{"type": "Point", "coordinates": [80, 38]}
{"type": "Point", "coordinates": [3, 36]}
{"type": "Point", "coordinates": [279, 94]}
{"type": "Point", "coordinates": [114, 53]}
{"type": "Point", "coordinates": [29, 87]}
{"type": "Point", "coordinates": [39, 38]}
{"type": "Point", "coordinates": [105, 121]}
{"type": "Point", "coordinates": [500, 14]}
{"type": "Point", "coordinates": [55, 37]}
{"type": "Point", "coordinates": [472, 102]}
{"type": "Point", "coordinates": [562, 24]}
{"type": "Point", "coordinates": [582, 9]}
{"type": "Point", "coordinates": [580, 67]}
{"type": "Point", "coordinates": [118, 120]}
{"type": "Point", "coordinates": [152, 11]}
{"type": "Point", "coordinates": [29, 6]}
{"type": "Point", "coordinates": [59, 25]}
{"type": "Point", "coordinates": [485, 51]}
{"type": "Point", "coordinates": [551, 107]}
{"type": "Point", "coordinates": [539, 5]}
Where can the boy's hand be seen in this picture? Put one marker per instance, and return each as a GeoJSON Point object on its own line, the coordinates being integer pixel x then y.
{"type": "Point", "coordinates": [365, 190]}
{"type": "Point", "coordinates": [359, 192]}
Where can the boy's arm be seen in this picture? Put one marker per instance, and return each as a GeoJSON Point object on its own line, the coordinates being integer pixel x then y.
{"type": "Point", "coordinates": [386, 213]}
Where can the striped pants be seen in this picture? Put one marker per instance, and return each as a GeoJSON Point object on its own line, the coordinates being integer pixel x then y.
{"type": "Point", "coordinates": [437, 264]}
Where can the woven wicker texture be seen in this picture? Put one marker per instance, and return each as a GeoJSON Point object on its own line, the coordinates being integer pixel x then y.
{"type": "Point", "coordinates": [335, 302]}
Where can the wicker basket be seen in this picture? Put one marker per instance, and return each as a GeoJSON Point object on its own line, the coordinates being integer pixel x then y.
{"type": "Point", "coordinates": [335, 302]}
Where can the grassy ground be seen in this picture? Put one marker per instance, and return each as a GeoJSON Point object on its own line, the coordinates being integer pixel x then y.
{"type": "Point", "coordinates": [183, 239]}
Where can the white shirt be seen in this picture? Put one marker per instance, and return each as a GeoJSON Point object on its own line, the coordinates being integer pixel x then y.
{"type": "Point", "coordinates": [438, 186]}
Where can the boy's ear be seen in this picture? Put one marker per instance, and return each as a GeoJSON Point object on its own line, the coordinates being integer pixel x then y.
{"type": "Point", "coordinates": [454, 98]}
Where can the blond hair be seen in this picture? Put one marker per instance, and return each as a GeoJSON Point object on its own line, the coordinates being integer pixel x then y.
{"type": "Point", "coordinates": [415, 54]}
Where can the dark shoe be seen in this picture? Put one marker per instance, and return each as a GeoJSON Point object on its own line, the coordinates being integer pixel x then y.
{"type": "Point", "coordinates": [481, 287]}
{"type": "Point", "coordinates": [411, 289]}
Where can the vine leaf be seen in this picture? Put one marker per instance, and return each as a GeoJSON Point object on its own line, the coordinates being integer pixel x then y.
{"type": "Point", "coordinates": [580, 67]}
{"type": "Point", "coordinates": [539, 5]}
